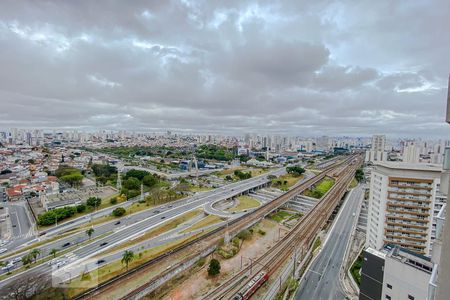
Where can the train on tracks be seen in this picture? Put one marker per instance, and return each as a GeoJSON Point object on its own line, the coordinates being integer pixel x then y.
{"type": "Point", "coordinates": [252, 286]}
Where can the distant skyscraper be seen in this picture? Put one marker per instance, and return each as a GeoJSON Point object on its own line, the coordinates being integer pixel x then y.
{"type": "Point", "coordinates": [377, 151]}
{"type": "Point", "coordinates": [411, 152]}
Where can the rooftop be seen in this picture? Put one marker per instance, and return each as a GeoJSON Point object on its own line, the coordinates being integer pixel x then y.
{"type": "Point", "coordinates": [410, 166]}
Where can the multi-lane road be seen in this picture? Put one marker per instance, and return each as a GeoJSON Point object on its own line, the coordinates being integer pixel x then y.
{"type": "Point", "coordinates": [136, 224]}
{"type": "Point", "coordinates": [322, 280]}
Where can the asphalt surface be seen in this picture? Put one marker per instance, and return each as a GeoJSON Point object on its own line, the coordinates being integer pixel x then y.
{"type": "Point", "coordinates": [321, 281]}
{"type": "Point", "coordinates": [20, 224]}
{"type": "Point", "coordinates": [136, 224]}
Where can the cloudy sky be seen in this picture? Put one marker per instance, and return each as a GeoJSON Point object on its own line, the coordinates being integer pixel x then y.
{"type": "Point", "coordinates": [292, 67]}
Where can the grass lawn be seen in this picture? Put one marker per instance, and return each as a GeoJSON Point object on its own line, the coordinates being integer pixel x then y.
{"type": "Point", "coordinates": [286, 181]}
{"type": "Point", "coordinates": [88, 280]}
{"type": "Point", "coordinates": [354, 183]}
{"type": "Point", "coordinates": [280, 216]}
{"type": "Point", "coordinates": [321, 188]}
{"type": "Point", "coordinates": [245, 202]}
{"type": "Point", "coordinates": [316, 244]}
{"type": "Point", "coordinates": [209, 220]}
{"type": "Point", "coordinates": [172, 224]}
{"type": "Point", "coordinates": [253, 171]}
{"type": "Point", "coordinates": [200, 189]}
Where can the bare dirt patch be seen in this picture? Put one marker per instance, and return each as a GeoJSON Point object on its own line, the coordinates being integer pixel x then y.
{"type": "Point", "coordinates": [198, 283]}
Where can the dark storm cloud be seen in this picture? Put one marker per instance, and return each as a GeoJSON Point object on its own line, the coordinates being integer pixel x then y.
{"type": "Point", "coordinates": [296, 67]}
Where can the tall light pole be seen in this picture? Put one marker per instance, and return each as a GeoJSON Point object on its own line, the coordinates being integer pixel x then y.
{"type": "Point", "coordinates": [443, 288]}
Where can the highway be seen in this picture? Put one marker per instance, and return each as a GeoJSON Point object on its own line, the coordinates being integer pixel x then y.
{"type": "Point", "coordinates": [321, 280]}
{"type": "Point", "coordinates": [138, 223]}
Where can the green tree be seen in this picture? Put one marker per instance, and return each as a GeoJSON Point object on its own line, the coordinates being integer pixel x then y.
{"type": "Point", "coordinates": [132, 183]}
{"type": "Point", "coordinates": [81, 208]}
{"type": "Point", "coordinates": [359, 174]}
{"type": "Point", "coordinates": [90, 232]}
{"type": "Point", "coordinates": [295, 170]}
{"type": "Point", "coordinates": [27, 260]}
{"type": "Point", "coordinates": [127, 257]}
{"type": "Point", "coordinates": [35, 254]}
{"type": "Point", "coordinates": [214, 267]}
{"type": "Point", "coordinates": [93, 202]}
{"type": "Point", "coordinates": [138, 174]}
{"type": "Point", "coordinates": [149, 180]}
{"type": "Point", "coordinates": [118, 212]}
{"type": "Point", "coordinates": [53, 252]}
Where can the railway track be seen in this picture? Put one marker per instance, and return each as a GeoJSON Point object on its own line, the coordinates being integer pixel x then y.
{"type": "Point", "coordinates": [209, 238]}
{"type": "Point", "coordinates": [301, 235]}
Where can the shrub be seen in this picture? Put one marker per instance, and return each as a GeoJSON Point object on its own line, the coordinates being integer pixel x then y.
{"type": "Point", "coordinates": [118, 212]}
{"type": "Point", "coordinates": [214, 267]}
{"type": "Point", "coordinates": [81, 208]}
{"type": "Point", "coordinates": [244, 234]}
{"type": "Point", "coordinates": [113, 200]}
{"type": "Point", "coordinates": [93, 202]}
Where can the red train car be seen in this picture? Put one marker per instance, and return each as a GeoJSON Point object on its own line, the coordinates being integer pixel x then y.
{"type": "Point", "coordinates": [252, 286]}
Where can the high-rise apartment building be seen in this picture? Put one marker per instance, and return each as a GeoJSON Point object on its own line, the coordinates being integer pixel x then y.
{"type": "Point", "coordinates": [377, 151]}
{"type": "Point", "coordinates": [411, 152]}
{"type": "Point", "coordinates": [402, 203]}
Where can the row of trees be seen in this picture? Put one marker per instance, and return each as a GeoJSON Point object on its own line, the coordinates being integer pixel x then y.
{"type": "Point", "coordinates": [58, 214]}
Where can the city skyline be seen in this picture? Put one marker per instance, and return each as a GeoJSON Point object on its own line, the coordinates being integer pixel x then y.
{"type": "Point", "coordinates": [293, 68]}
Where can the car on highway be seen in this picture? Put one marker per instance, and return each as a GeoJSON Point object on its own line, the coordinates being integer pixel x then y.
{"type": "Point", "coordinates": [60, 264]}
{"type": "Point", "coordinates": [66, 245]}
{"type": "Point", "coordinates": [103, 244]}
{"type": "Point", "coordinates": [163, 217]}
{"type": "Point", "coordinates": [7, 267]}
{"type": "Point", "coordinates": [117, 223]}
{"type": "Point", "coordinates": [16, 260]}
{"type": "Point", "coordinates": [3, 250]}
{"type": "Point", "coordinates": [156, 212]}
{"type": "Point", "coordinates": [53, 261]}
{"type": "Point", "coordinates": [42, 233]}
{"type": "Point", "coordinates": [170, 206]}
{"type": "Point", "coordinates": [100, 261]}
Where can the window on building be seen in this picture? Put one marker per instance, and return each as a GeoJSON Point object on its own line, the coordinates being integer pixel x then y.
{"type": "Point", "coordinates": [410, 297]}
{"type": "Point", "coordinates": [388, 297]}
{"type": "Point", "coordinates": [389, 286]}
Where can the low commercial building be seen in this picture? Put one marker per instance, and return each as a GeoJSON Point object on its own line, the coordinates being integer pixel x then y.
{"type": "Point", "coordinates": [394, 273]}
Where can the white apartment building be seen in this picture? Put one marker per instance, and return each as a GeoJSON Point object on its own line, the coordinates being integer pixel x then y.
{"type": "Point", "coordinates": [402, 205]}
{"type": "Point", "coordinates": [377, 151]}
{"type": "Point", "coordinates": [411, 152]}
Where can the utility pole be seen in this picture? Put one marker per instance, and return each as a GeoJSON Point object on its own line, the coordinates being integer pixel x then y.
{"type": "Point", "coordinates": [119, 178]}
